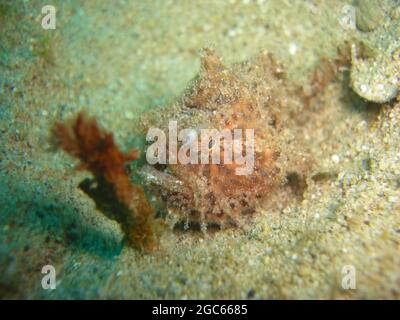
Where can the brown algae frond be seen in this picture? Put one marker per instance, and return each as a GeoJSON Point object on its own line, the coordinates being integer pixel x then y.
{"type": "Point", "coordinates": [111, 189]}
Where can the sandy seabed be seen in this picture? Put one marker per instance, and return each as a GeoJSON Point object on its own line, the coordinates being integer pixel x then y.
{"type": "Point", "coordinates": [118, 59]}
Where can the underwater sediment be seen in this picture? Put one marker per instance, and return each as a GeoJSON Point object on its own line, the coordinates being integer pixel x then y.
{"type": "Point", "coordinates": [319, 94]}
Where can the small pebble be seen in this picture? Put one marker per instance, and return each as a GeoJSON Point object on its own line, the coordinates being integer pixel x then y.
{"type": "Point", "coordinates": [369, 15]}
{"type": "Point", "coordinates": [335, 158]}
{"type": "Point", "coordinates": [292, 49]}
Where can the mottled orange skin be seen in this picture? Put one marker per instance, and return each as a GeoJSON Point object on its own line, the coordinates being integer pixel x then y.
{"type": "Point", "coordinates": [214, 193]}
